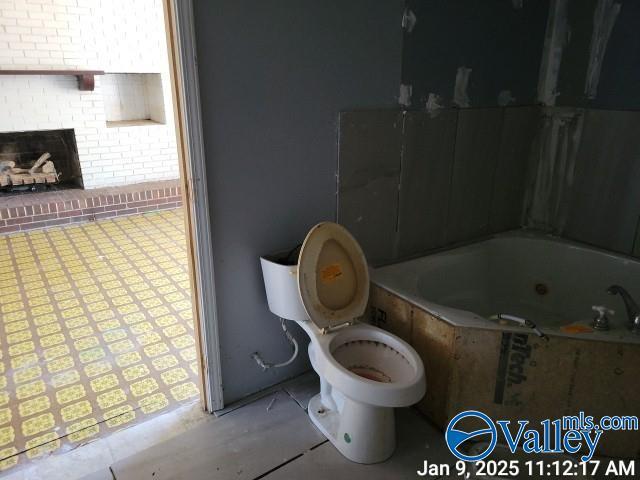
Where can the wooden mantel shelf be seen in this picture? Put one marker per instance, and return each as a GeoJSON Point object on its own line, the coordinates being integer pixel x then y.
{"type": "Point", "coordinates": [86, 80]}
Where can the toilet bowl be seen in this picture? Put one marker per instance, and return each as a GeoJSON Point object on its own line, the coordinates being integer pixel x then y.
{"type": "Point", "coordinates": [365, 372]}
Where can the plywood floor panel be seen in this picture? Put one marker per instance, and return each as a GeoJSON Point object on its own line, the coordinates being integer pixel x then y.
{"type": "Point", "coordinates": [241, 445]}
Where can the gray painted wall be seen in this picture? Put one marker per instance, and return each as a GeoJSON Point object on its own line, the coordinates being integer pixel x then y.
{"type": "Point", "coordinates": [619, 84]}
{"type": "Point", "coordinates": [588, 150]}
{"type": "Point", "coordinates": [273, 78]}
{"type": "Point", "coordinates": [502, 44]}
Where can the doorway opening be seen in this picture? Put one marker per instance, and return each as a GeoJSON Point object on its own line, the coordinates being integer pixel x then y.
{"type": "Point", "coordinates": [99, 300]}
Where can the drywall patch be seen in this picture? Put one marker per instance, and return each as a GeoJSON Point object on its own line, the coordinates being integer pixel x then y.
{"type": "Point", "coordinates": [434, 105]}
{"type": "Point", "coordinates": [554, 153]}
{"type": "Point", "coordinates": [405, 95]}
{"type": "Point", "coordinates": [408, 20]}
{"type": "Point", "coordinates": [604, 18]}
{"type": "Point", "coordinates": [505, 98]}
{"type": "Point", "coordinates": [460, 94]}
{"type": "Point", "coordinates": [554, 42]}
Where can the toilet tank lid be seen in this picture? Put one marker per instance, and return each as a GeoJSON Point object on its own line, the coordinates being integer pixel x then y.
{"type": "Point", "coordinates": [333, 277]}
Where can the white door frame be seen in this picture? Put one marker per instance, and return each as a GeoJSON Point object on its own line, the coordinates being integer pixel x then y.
{"type": "Point", "coordinates": [181, 35]}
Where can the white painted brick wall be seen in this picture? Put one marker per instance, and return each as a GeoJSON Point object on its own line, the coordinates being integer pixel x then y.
{"type": "Point", "coordinates": [116, 36]}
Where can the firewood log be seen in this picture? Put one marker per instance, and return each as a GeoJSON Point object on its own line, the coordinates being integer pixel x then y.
{"type": "Point", "coordinates": [6, 165]}
{"type": "Point", "coordinates": [48, 167]}
{"type": "Point", "coordinates": [43, 158]}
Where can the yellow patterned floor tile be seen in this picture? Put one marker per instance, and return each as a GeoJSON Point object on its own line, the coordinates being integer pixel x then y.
{"type": "Point", "coordinates": [24, 361]}
{"type": "Point", "coordinates": [35, 425]}
{"type": "Point", "coordinates": [76, 410]}
{"type": "Point", "coordinates": [119, 416]}
{"type": "Point", "coordinates": [86, 342]}
{"type": "Point", "coordinates": [111, 398]}
{"type": "Point", "coordinates": [60, 364]}
{"type": "Point", "coordinates": [10, 458]}
{"type": "Point", "coordinates": [56, 352]}
{"type": "Point", "coordinates": [156, 349]}
{"type": "Point", "coordinates": [41, 445]}
{"type": "Point", "coordinates": [82, 430]}
{"type": "Point", "coordinates": [144, 387]}
{"type": "Point", "coordinates": [34, 405]}
{"type": "Point", "coordinates": [174, 375]}
{"type": "Point", "coordinates": [105, 382]}
{"type": "Point", "coordinates": [184, 391]}
{"type": "Point", "coordinates": [30, 389]}
{"type": "Point", "coordinates": [164, 362]}
{"type": "Point", "coordinates": [97, 336]}
{"type": "Point", "coordinates": [70, 394]}
{"type": "Point", "coordinates": [65, 378]}
{"type": "Point", "coordinates": [129, 358]}
{"type": "Point", "coordinates": [91, 355]}
{"type": "Point", "coordinates": [27, 374]}
{"type": "Point", "coordinates": [153, 403]}
{"type": "Point", "coordinates": [5, 415]}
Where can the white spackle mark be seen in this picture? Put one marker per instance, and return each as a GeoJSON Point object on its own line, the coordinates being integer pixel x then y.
{"type": "Point", "coordinates": [408, 20]}
{"type": "Point", "coordinates": [556, 38]}
{"type": "Point", "coordinates": [505, 98]}
{"type": "Point", "coordinates": [604, 18]}
{"type": "Point", "coordinates": [434, 105]}
{"type": "Point", "coordinates": [517, 4]}
{"type": "Point", "coordinates": [460, 95]}
{"type": "Point", "coordinates": [405, 95]}
{"type": "Point", "coordinates": [554, 153]}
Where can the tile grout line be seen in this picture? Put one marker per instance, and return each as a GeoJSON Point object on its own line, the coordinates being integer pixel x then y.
{"type": "Point", "coordinates": [67, 434]}
{"type": "Point", "coordinates": [287, 462]}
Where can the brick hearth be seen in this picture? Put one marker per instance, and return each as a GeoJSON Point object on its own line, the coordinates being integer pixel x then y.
{"type": "Point", "coordinates": [29, 211]}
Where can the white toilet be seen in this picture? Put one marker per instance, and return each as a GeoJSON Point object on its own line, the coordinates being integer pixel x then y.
{"type": "Point", "coordinates": [364, 371]}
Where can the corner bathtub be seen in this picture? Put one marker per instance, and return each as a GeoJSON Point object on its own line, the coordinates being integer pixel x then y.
{"type": "Point", "coordinates": [550, 281]}
{"type": "Point", "coordinates": [442, 305]}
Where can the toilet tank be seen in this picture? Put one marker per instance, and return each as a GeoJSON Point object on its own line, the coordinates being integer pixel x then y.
{"type": "Point", "coordinates": [281, 285]}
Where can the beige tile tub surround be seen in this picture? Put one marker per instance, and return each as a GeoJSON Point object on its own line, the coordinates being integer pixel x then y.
{"type": "Point", "coordinates": [516, 376]}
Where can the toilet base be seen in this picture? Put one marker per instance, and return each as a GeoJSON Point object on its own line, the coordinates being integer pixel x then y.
{"type": "Point", "coordinates": [362, 433]}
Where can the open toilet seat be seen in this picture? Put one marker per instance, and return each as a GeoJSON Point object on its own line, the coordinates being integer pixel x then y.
{"type": "Point", "coordinates": [333, 276]}
{"type": "Point", "coordinates": [364, 362]}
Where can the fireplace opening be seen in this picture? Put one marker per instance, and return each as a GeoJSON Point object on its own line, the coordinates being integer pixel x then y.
{"type": "Point", "coordinates": [39, 160]}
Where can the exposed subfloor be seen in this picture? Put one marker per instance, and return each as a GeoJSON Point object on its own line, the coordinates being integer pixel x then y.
{"type": "Point", "coordinates": [97, 331]}
{"type": "Point", "coordinates": [272, 437]}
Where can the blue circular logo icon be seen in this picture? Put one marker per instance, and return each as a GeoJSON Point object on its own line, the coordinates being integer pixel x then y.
{"type": "Point", "coordinates": [457, 438]}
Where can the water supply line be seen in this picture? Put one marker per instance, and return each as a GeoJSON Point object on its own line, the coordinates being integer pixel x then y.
{"type": "Point", "coordinates": [525, 322]}
{"type": "Point", "coordinates": [267, 365]}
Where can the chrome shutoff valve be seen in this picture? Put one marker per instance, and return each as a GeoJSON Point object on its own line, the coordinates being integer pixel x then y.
{"type": "Point", "coordinates": [601, 320]}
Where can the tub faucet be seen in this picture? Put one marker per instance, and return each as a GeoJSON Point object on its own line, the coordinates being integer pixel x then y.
{"type": "Point", "coordinates": [633, 311]}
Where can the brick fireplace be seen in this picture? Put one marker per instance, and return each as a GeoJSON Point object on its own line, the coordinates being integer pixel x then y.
{"type": "Point", "coordinates": [123, 126]}
{"type": "Point", "coordinates": [28, 212]}
{"type": "Point", "coordinates": [21, 150]}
